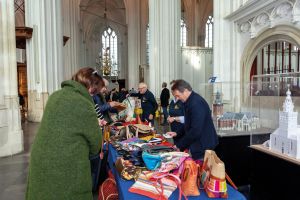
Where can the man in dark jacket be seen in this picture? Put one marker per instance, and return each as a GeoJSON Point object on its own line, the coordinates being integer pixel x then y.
{"type": "Point", "coordinates": [164, 102]}
{"type": "Point", "coordinates": [148, 103]}
{"type": "Point", "coordinates": [200, 133]}
{"type": "Point", "coordinates": [176, 118]}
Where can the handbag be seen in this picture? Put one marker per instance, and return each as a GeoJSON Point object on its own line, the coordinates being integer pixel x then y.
{"type": "Point", "coordinates": [108, 190]}
{"type": "Point", "coordinates": [213, 176]}
{"type": "Point", "coordinates": [127, 170]}
{"type": "Point", "coordinates": [141, 131]}
{"type": "Point", "coordinates": [152, 155]}
{"type": "Point", "coordinates": [189, 178]}
{"type": "Point", "coordinates": [156, 185]}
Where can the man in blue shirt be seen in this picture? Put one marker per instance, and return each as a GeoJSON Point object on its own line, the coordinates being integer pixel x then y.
{"type": "Point", "coordinates": [199, 131]}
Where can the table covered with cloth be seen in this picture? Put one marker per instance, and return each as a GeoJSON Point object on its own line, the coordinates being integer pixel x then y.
{"type": "Point", "coordinates": [124, 185]}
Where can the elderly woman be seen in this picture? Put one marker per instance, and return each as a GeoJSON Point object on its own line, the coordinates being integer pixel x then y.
{"type": "Point", "coordinates": [68, 134]}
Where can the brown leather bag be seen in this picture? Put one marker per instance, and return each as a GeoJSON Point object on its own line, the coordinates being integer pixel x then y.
{"type": "Point", "coordinates": [189, 178]}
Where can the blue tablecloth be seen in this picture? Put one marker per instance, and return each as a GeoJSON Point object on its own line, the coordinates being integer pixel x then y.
{"type": "Point", "coordinates": [123, 185]}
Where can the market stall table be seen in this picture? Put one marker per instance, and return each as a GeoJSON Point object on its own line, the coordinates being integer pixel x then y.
{"type": "Point", "coordinates": [124, 185]}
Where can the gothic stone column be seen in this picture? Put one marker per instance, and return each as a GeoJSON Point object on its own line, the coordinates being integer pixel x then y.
{"type": "Point", "coordinates": [164, 24]}
{"type": "Point", "coordinates": [44, 53]}
{"type": "Point", "coordinates": [11, 134]}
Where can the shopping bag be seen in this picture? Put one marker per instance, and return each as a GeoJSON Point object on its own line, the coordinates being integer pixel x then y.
{"type": "Point", "coordinates": [213, 176]}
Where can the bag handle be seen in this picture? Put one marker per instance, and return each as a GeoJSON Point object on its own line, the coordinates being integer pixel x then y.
{"type": "Point", "coordinates": [177, 181]}
{"type": "Point", "coordinates": [102, 144]}
{"type": "Point", "coordinates": [230, 181]}
{"type": "Point", "coordinates": [208, 174]}
{"type": "Point", "coordinates": [137, 133]}
{"type": "Point", "coordinates": [128, 136]}
{"type": "Point", "coordinates": [111, 195]}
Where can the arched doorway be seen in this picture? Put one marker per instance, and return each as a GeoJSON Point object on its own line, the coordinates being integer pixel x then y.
{"type": "Point", "coordinates": [283, 33]}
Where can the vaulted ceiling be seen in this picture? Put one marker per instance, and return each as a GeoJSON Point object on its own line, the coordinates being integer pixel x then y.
{"type": "Point", "coordinates": [96, 13]}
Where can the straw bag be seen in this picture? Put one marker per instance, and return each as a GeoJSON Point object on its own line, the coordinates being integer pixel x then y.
{"type": "Point", "coordinates": [108, 190]}
{"type": "Point", "coordinates": [140, 131]}
{"type": "Point", "coordinates": [213, 176]}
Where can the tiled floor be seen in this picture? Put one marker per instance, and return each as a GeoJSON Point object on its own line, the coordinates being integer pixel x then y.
{"type": "Point", "coordinates": [14, 169]}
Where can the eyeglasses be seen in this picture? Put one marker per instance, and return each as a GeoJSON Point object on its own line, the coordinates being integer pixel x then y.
{"type": "Point", "coordinates": [141, 88]}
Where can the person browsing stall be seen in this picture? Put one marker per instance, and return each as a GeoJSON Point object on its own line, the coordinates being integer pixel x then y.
{"type": "Point", "coordinates": [148, 102]}
{"type": "Point", "coordinates": [68, 134]}
{"type": "Point", "coordinates": [105, 107]}
{"type": "Point", "coordinates": [200, 133]}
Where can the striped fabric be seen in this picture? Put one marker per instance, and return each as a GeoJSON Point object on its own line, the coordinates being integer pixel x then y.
{"type": "Point", "coordinates": [99, 114]}
{"type": "Point", "coordinates": [216, 188]}
{"type": "Point", "coordinates": [145, 186]}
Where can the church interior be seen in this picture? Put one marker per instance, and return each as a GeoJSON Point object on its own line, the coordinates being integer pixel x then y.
{"type": "Point", "coordinates": [241, 56]}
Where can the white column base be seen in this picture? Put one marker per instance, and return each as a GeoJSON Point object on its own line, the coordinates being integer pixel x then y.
{"type": "Point", "coordinates": [36, 105]}
{"type": "Point", "coordinates": [11, 134]}
{"type": "Point", "coordinates": [13, 145]}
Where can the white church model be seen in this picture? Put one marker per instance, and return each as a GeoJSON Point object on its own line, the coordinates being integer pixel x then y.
{"type": "Point", "coordinates": [286, 138]}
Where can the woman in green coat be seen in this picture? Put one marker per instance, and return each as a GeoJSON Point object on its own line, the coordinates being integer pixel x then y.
{"type": "Point", "coordinates": [68, 134]}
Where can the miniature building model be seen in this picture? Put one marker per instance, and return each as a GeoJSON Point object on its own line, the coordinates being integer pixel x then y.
{"type": "Point", "coordinates": [242, 121]}
{"type": "Point", "coordinates": [286, 138]}
{"type": "Point", "coordinates": [218, 105]}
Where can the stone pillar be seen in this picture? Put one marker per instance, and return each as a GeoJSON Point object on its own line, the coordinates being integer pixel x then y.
{"type": "Point", "coordinates": [71, 17]}
{"type": "Point", "coordinates": [164, 24]}
{"type": "Point", "coordinates": [226, 55]}
{"type": "Point", "coordinates": [45, 68]}
{"type": "Point", "coordinates": [11, 134]}
{"type": "Point", "coordinates": [133, 18]}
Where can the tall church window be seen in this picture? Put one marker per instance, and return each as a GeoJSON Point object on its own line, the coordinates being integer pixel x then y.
{"type": "Point", "coordinates": [110, 39]}
{"type": "Point", "coordinates": [182, 33]}
{"type": "Point", "coordinates": [209, 32]}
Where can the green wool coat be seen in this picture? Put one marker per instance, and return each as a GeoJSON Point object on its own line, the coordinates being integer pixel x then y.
{"type": "Point", "coordinates": [68, 134]}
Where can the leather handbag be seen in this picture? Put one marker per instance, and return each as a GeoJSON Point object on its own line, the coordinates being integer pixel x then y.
{"type": "Point", "coordinates": [189, 178]}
